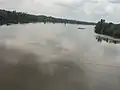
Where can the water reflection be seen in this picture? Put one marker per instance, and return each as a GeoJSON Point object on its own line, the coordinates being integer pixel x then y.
{"type": "Point", "coordinates": [100, 38]}
{"type": "Point", "coordinates": [24, 70]}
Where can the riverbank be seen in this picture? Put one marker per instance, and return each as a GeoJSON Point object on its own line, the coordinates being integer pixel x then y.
{"type": "Point", "coordinates": [13, 17]}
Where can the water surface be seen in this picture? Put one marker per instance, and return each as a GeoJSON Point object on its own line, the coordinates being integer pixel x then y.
{"type": "Point", "coordinates": [52, 41]}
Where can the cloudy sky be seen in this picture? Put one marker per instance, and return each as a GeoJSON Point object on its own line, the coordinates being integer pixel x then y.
{"type": "Point", "coordinates": [90, 10]}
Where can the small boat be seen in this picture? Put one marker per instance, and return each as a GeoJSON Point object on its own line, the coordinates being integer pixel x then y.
{"type": "Point", "coordinates": [81, 28]}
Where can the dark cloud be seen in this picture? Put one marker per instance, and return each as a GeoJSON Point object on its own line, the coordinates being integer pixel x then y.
{"type": "Point", "coordinates": [75, 4]}
{"type": "Point", "coordinates": [115, 1]}
{"type": "Point", "coordinates": [65, 5]}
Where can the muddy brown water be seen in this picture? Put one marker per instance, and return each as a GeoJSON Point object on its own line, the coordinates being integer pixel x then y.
{"type": "Point", "coordinates": [56, 57]}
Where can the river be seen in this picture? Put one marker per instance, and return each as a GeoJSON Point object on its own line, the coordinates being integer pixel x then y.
{"type": "Point", "coordinates": [101, 60]}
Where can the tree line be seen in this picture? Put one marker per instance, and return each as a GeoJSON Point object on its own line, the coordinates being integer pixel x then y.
{"type": "Point", "coordinates": [13, 17]}
{"type": "Point", "coordinates": [109, 29]}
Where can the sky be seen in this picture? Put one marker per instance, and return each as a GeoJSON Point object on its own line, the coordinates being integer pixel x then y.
{"type": "Point", "coordinates": [87, 10]}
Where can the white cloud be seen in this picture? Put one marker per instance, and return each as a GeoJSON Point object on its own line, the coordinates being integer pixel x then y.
{"type": "Point", "coordinates": [76, 9]}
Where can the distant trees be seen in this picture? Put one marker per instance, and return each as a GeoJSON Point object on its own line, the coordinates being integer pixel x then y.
{"type": "Point", "coordinates": [3, 16]}
{"type": "Point", "coordinates": [109, 29]}
{"type": "Point", "coordinates": [13, 17]}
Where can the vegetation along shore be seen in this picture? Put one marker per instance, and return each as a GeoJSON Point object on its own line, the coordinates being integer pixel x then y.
{"type": "Point", "coordinates": [109, 29]}
{"type": "Point", "coordinates": [13, 17]}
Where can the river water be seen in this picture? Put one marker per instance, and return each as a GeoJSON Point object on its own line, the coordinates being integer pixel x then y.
{"type": "Point", "coordinates": [101, 60]}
